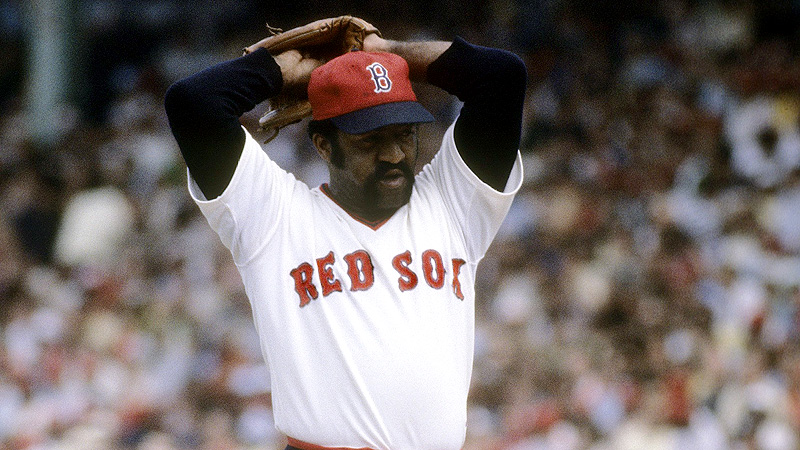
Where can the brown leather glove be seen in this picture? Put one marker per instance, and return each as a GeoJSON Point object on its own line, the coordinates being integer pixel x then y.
{"type": "Point", "coordinates": [323, 40]}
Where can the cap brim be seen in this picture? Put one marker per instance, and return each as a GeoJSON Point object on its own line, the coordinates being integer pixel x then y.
{"type": "Point", "coordinates": [374, 117]}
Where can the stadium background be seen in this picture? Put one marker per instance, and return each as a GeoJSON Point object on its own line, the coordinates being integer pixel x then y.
{"type": "Point", "coordinates": [642, 294]}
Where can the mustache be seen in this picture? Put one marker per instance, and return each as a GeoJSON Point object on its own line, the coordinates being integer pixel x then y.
{"type": "Point", "coordinates": [383, 168]}
{"type": "Point", "coordinates": [374, 196]}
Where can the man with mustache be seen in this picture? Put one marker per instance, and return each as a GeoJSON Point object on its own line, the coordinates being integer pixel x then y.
{"type": "Point", "coordinates": [362, 289]}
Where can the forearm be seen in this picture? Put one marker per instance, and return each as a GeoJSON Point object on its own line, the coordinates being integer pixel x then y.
{"type": "Point", "coordinates": [418, 55]}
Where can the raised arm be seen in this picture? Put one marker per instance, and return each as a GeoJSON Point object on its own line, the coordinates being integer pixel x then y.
{"type": "Point", "coordinates": [204, 110]}
{"type": "Point", "coordinates": [490, 82]}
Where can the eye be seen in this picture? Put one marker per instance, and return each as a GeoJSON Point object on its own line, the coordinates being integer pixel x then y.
{"type": "Point", "coordinates": [407, 132]}
{"type": "Point", "coordinates": [370, 141]}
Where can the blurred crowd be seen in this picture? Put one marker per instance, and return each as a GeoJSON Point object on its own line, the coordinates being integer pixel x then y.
{"type": "Point", "coordinates": [643, 293]}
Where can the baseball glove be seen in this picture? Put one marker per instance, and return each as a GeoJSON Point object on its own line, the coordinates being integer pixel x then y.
{"type": "Point", "coordinates": [323, 40]}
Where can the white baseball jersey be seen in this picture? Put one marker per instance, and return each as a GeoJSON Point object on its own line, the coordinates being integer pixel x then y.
{"type": "Point", "coordinates": [367, 329]}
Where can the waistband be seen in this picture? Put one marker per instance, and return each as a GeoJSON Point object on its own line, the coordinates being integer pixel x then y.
{"type": "Point", "coordinates": [295, 444]}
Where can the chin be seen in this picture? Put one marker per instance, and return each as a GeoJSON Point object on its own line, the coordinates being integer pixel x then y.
{"type": "Point", "coordinates": [392, 199]}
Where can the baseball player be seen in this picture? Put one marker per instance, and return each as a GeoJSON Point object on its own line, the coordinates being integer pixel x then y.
{"type": "Point", "coordinates": [362, 289]}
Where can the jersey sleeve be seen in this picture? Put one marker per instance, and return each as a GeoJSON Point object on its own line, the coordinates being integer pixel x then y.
{"type": "Point", "coordinates": [476, 209]}
{"type": "Point", "coordinates": [248, 212]}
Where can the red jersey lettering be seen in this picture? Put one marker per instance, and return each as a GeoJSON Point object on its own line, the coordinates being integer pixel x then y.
{"type": "Point", "coordinates": [431, 258]}
{"type": "Point", "coordinates": [302, 283]}
{"type": "Point", "coordinates": [457, 263]}
{"type": "Point", "coordinates": [408, 279]}
{"type": "Point", "coordinates": [360, 270]}
{"type": "Point", "coordinates": [326, 280]}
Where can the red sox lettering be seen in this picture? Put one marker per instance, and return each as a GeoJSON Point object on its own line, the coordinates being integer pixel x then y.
{"type": "Point", "coordinates": [361, 274]}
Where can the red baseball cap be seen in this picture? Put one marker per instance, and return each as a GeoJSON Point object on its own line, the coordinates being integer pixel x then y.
{"type": "Point", "coordinates": [361, 91]}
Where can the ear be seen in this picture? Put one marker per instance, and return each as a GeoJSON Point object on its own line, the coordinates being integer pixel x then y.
{"type": "Point", "coordinates": [323, 146]}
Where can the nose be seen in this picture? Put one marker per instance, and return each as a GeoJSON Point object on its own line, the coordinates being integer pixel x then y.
{"type": "Point", "coordinates": [392, 153]}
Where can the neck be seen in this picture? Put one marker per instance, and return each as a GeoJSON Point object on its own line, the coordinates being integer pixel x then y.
{"type": "Point", "coordinates": [354, 208]}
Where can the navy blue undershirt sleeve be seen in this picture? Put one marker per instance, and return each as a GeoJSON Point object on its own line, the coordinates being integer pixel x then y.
{"type": "Point", "coordinates": [491, 83]}
{"type": "Point", "coordinates": [204, 110]}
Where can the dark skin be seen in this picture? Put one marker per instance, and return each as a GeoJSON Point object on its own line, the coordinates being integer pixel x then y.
{"type": "Point", "coordinates": [489, 82]}
{"type": "Point", "coordinates": [374, 174]}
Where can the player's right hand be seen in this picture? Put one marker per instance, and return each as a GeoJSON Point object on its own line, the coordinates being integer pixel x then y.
{"type": "Point", "coordinates": [375, 43]}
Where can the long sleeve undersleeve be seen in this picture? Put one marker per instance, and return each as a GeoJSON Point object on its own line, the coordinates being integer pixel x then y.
{"type": "Point", "coordinates": [491, 83]}
{"type": "Point", "coordinates": [204, 110]}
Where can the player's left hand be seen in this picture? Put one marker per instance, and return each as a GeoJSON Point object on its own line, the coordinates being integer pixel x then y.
{"type": "Point", "coordinates": [321, 40]}
{"type": "Point", "coordinates": [296, 70]}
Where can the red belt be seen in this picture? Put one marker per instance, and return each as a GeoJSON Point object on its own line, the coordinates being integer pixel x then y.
{"type": "Point", "coordinates": [306, 446]}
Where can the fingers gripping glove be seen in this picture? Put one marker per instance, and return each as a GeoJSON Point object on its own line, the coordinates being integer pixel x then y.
{"type": "Point", "coordinates": [323, 40]}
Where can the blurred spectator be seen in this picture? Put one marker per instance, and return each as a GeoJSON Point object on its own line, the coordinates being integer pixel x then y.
{"type": "Point", "coordinates": [644, 291]}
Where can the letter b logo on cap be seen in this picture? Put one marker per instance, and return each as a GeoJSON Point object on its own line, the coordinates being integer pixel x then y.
{"type": "Point", "coordinates": [380, 76]}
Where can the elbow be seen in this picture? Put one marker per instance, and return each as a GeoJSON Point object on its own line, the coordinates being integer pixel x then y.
{"type": "Point", "coordinates": [501, 72]}
{"type": "Point", "coordinates": [510, 71]}
{"type": "Point", "coordinates": [504, 79]}
{"type": "Point", "coordinates": [189, 101]}
{"type": "Point", "coordinates": [178, 98]}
